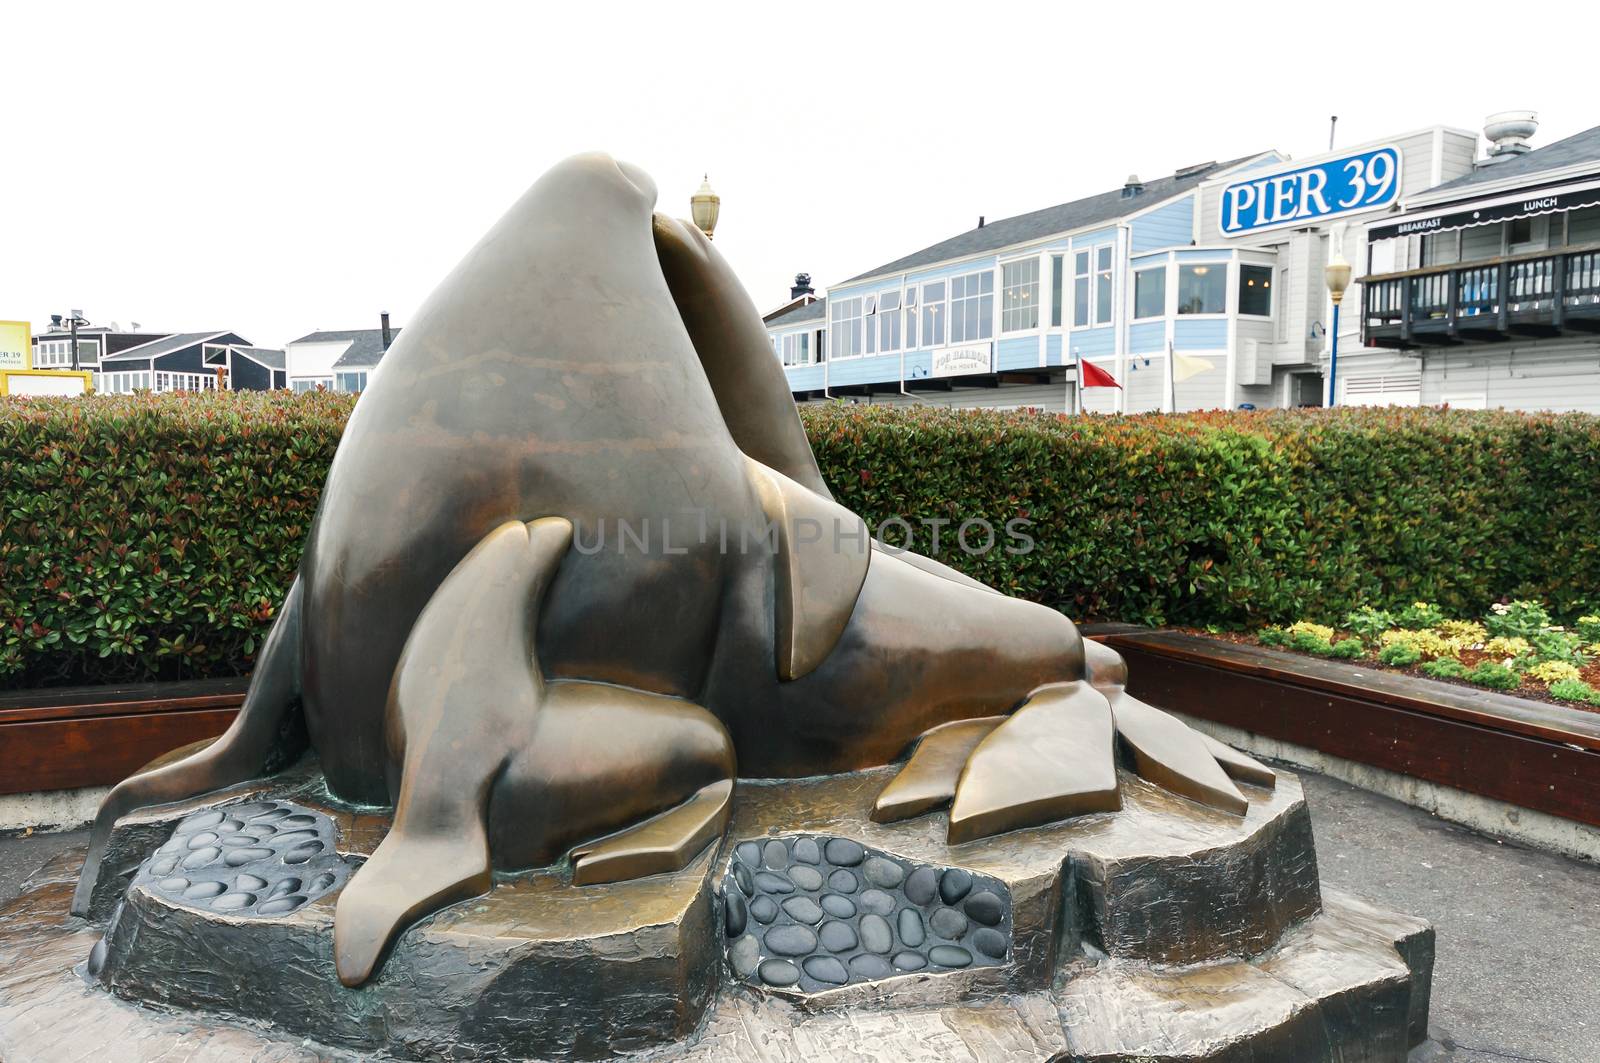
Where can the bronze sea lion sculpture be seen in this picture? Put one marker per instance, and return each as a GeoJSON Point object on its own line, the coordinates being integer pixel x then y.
{"type": "Point", "coordinates": [575, 567]}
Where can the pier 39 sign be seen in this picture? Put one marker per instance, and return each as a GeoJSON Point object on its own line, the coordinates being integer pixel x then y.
{"type": "Point", "coordinates": [1363, 181]}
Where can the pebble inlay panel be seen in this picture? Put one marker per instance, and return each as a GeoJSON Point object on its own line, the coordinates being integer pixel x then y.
{"type": "Point", "coordinates": [263, 858]}
{"type": "Point", "coordinates": [815, 913]}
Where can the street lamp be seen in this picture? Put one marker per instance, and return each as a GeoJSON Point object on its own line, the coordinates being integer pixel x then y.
{"type": "Point", "coordinates": [75, 319]}
{"type": "Point", "coordinates": [1337, 274]}
{"type": "Point", "coordinates": [704, 206]}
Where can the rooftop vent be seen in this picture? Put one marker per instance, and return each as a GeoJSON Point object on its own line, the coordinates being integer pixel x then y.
{"type": "Point", "coordinates": [980, 221]}
{"type": "Point", "coordinates": [388, 335]}
{"type": "Point", "coordinates": [1133, 187]}
{"type": "Point", "coordinates": [1507, 133]}
{"type": "Point", "coordinates": [802, 286]}
{"type": "Point", "coordinates": [1195, 170]}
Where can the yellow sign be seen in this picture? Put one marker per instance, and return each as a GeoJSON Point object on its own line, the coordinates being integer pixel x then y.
{"type": "Point", "coordinates": [16, 345]}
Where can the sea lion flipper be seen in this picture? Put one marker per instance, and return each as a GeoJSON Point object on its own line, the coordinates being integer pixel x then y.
{"type": "Point", "coordinates": [257, 741]}
{"type": "Point", "coordinates": [1167, 751]}
{"type": "Point", "coordinates": [928, 780]}
{"type": "Point", "coordinates": [823, 551]}
{"type": "Point", "coordinates": [660, 844]}
{"type": "Point", "coordinates": [1051, 759]}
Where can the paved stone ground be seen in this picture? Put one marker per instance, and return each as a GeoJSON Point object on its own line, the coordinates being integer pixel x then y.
{"type": "Point", "coordinates": [1517, 978]}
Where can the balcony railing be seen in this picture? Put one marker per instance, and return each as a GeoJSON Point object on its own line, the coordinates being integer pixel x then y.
{"type": "Point", "coordinates": [1544, 294]}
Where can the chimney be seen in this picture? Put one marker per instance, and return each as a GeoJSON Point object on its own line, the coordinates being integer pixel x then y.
{"type": "Point", "coordinates": [1507, 133]}
{"type": "Point", "coordinates": [802, 286]}
{"type": "Point", "coordinates": [1133, 187]}
{"type": "Point", "coordinates": [980, 221]}
{"type": "Point", "coordinates": [387, 335]}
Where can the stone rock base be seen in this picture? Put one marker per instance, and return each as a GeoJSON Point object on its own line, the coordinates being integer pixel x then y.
{"type": "Point", "coordinates": [1163, 931]}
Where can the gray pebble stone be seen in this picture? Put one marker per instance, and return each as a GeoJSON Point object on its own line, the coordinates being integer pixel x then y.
{"type": "Point", "coordinates": [281, 905]}
{"type": "Point", "coordinates": [775, 855]}
{"type": "Point", "coordinates": [745, 953]}
{"type": "Point", "coordinates": [910, 926]}
{"type": "Point", "coordinates": [910, 961]}
{"type": "Point", "coordinates": [301, 819]}
{"type": "Point", "coordinates": [235, 841]}
{"type": "Point", "coordinates": [950, 956]}
{"type": "Point", "coordinates": [877, 902]}
{"type": "Point", "coordinates": [321, 882]}
{"type": "Point", "coordinates": [954, 884]}
{"type": "Point", "coordinates": [807, 878]}
{"type": "Point", "coordinates": [175, 884]}
{"type": "Point", "coordinates": [272, 815]}
{"type": "Point", "coordinates": [250, 882]}
{"type": "Point", "coordinates": [232, 902]}
{"type": "Point", "coordinates": [948, 923]}
{"type": "Point", "coordinates": [164, 866]}
{"type": "Point", "coordinates": [202, 857]}
{"type": "Point", "coordinates": [984, 907]}
{"type": "Point", "coordinates": [294, 837]}
{"type": "Point", "coordinates": [837, 937]}
{"type": "Point", "coordinates": [735, 914]}
{"type": "Point", "coordinates": [287, 886]}
{"type": "Point", "coordinates": [780, 973]}
{"type": "Point", "coordinates": [843, 881]}
{"type": "Point", "coordinates": [236, 857]}
{"type": "Point", "coordinates": [837, 906]}
{"type": "Point", "coordinates": [741, 875]}
{"type": "Point", "coordinates": [764, 909]}
{"type": "Point", "coordinates": [990, 942]}
{"type": "Point", "coordinates": [200, 821]}
{"type": "Point", "coordinates": [203, 839]}
{"type": "Point", "coordinates": [790, 940]}
{"type": "Point", "coordinates": [826, 969]}
{"type": "Point", "coordinates": [298, 855]}
{"type": "Point", "coordinates": [870, 967]}
{"type": "Point", "coordinates": [803, 910]}
{"type": "Point", "coordinates": [844, 852]}
{"type": "Point", "coordinates": [875, 936]}
{"type": "Point", "coordinates": [749, 852]}
{"type": "Point", "coordinates": [807, 851]}
{"type": "Point", "coordinates": [881, 872]}
{"type": "Point", "coordinates": [922, 885]}
{"type": "Point", "coordinates": [202, 890]}
{"type": "Point", "coordinates": [770, 882]}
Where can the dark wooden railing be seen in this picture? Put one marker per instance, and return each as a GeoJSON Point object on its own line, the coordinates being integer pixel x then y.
{"type": "Point", "coordinates": [1539, 294]}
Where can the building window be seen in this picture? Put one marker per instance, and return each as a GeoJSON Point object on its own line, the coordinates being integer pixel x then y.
{"type": "Point", "coordinates": [1255, 290]}
{"type": "Point", "coordinates": [1203, 289]}
{"type": "Point", "coordinates": [1102, 285]}
{"type": "Point", "coordinates": [186, 382]}
{"type": "Point", "coordinates": [846, 317]}
{"type": "Point", "coordinates": [889, 322]}
{"type": "Point", "coordinates": [1150, 292]}
{"type": "Point", "coordinates": [972, 307]}
{"type": "Point", "coordinates": [1019, 295]}
{"type": "Point", "coordinates": [911, 318]}
{"type": "Point", "coordinates": [1081, 281]}
{"type": "Point", "coordinates": [1058, 265]}
{"type": "Point", "coordinates": [933, 314]}
{"type": "Point", "coordinates": [350, 383]}
{"type": "Point", "coordinates": [797, 349]}
{"type": "Point", "coordinates": [302, 386]}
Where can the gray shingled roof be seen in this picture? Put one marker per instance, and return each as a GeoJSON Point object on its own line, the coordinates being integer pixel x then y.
{"type": "Point", "coordinates": [813, 311]}
{"type": "Point", "coordinates": [1578, 148]}
{"type": "Point", "coordinates": [262, 356]}
{"type": "Point", "coordinates": [1065, 217]}
{"type": "Point", "coordinates": [366, 345]}
{"type": "Point", "coordinates": [156, 348]}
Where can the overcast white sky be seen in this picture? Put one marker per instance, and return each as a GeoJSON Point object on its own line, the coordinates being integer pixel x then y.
{"type": "Point", "coordinates": [275, 169]}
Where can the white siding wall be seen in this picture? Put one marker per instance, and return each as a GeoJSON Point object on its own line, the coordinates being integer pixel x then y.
{"type": "Point", "coordinates": [1561, 377]}
{"type": "Point", "coordinates": [312, 359]}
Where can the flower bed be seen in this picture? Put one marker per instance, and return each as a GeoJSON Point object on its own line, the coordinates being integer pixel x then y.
{"type": "Point", "coordinates": [1514, 647]}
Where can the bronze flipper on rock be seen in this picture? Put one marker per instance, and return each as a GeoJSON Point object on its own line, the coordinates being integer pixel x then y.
{"type": "Point", "coordinates": [928, 780]}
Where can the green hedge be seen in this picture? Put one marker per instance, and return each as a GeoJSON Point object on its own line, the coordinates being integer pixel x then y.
{"type": "Point", "coordinates": [152, 536]}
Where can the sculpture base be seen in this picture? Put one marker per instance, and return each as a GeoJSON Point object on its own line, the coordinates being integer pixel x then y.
{"type": "Point", "coordinates": [1162, 931]}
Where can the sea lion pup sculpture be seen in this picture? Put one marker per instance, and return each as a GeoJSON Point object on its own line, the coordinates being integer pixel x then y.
{"type": "Point", "coordinates": [575, 564]}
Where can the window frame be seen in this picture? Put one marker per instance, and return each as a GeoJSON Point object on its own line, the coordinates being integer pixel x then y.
{"type": "Point", "coordinates": [1225, 265]}
{"type": "Point", "coordinates": [1238, 290]}
{"type": "Point", "coordinates": [936, 313]}
{"type": "Point", "coordinates": [1106, 274]}
{"type": "Point", "coordinates": [1036, 262]}
{"type": "Point", "coordinates": [985, 319]}
{"type": "Point", "coordinates": [839, 314]}
{"type": "Point", "coordinates": [1138, 271]}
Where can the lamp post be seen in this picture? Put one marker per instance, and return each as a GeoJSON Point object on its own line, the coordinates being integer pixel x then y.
{"type": "Point", "coordinates": [1337, 274]}
{"type": "Point", "coordinates": [704, 206]}
{"type": "Point", "coordinates": [75, 319]}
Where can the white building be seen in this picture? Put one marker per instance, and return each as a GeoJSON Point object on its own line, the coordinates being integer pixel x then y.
{"type": "Point", "coordinates": [338, 361]}
{"type": "Point", "coordinates": [1221, 265]}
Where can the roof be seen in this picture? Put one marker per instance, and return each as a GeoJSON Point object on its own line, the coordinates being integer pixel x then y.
{"type": "Point", "coordinates": [815, 310]}
{"type": "Point", "coordinates": [262, 356]}
{"type": "Point", "coordinates": [1065, 217]}
{"type": "Point", "coordinates": [366, 345]}
{"type": "Point", "coordinates": [165, 345]}
{"type": "Point", "coordinates": [1576, 149]}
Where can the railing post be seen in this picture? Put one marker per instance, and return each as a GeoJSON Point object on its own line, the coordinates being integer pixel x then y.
{"type": "Point", "coordinates": [1452, 298]}
{"type": "Point", "coordinates": [1405, 310]}
{"type": "Point", "coordinates": [1558, 284]}
{"type": "Point", "coordinates": [1503, 295]}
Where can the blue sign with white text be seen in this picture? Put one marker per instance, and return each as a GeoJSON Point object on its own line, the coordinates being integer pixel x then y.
{"type": "Point", "coordinates": [1364, 181]}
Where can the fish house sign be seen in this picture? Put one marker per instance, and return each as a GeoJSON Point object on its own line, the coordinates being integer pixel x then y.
{"type": "Point", "coordinates": [1363, 181]}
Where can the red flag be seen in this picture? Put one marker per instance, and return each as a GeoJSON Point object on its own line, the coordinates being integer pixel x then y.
{"type": "Point", "coordinates": [1092, 376]}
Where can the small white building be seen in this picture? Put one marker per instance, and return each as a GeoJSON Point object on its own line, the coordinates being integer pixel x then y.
{"type": "Point", "coordinates": [338, 361]}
